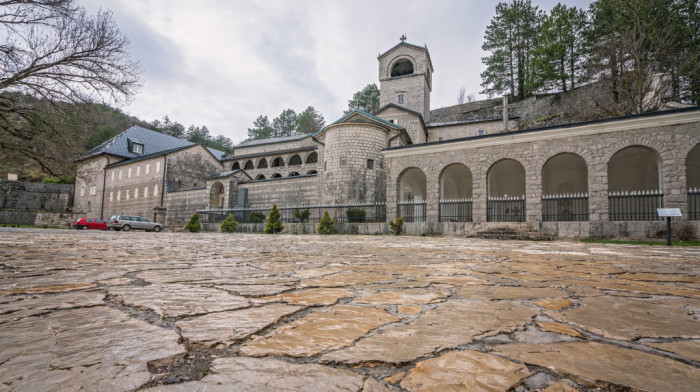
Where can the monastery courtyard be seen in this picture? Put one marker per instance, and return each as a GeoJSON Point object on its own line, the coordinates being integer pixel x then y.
{"type": "Point", "coordinates": [104, 311]}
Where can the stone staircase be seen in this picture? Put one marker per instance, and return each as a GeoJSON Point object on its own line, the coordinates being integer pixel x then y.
{"type": "Point", "coordinates": [523, 233]}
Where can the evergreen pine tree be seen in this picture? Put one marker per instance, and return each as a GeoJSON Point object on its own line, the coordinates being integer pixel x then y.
{"type": "Point", "coordinates": [327, 225]}
{"type": "Point", "coordinates": [229, 225]}
{"type": "Point", "coordinates": [194, 226]}
{"type": "Point", "coordinates": [274, 224]}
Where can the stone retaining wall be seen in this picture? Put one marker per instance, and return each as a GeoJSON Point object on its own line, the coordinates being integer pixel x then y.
{"type": "Point", "coordinates": [38, 218]}
{"type": "Point", "coordinates": [35, 196]}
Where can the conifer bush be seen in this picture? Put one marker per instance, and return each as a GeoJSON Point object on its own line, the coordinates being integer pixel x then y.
{"type": "Point", "coordinates": [194, 225]}
{"type": "Point", "coordinates": [302, 216]}
{"type": "Point", "coordinates": [229, 225]}
{"type": "Point", "coordinates": [274, 224]}
{"type": "Point", "coordinates": [256, 217]}
{"type": "Point", "coordinates": [396, 226]}
{"type": "Point", "coordinates": [327, 225]}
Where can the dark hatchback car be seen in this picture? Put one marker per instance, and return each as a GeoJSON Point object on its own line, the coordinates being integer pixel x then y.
{"type": "Point", "coordinates": [89, 223]}
{"type": "Point", "coordinates": [128, 222]}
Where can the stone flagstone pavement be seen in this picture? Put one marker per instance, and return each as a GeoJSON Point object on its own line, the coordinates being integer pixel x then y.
{"type": "Point", "coordinates": [113, 311]}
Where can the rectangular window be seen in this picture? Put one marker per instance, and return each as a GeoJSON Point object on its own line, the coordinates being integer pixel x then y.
{"type": "Point", "coordinates": [111, 196]}
{"type": "Point", "coordinates": [82, 191]}
{"type": "Point", "coordinates": [138, 171]}
{"type": "Point", "coordinates": [128, 173]}
{"type": "Point", "coordinates": [137, 148]}
{"type": "Point", "coordinates": [127, 195]}
{"type": "Point", "coordinates": [136, 193]}
{"type": "Point", "coordinates": [481, 132]}
{"type": "Point", "coordinates": [155, 190]}
{"type": "Point", "coordinates": [120, 175]}
{"type": "Point", "coordinates": [400, 97]}
{"type": "Point", "coordinates": [119, 195]}
{"type": "Point", "coordinates": [158, 167]}
{"type": "Point", "coordinates": [370, 163]}
{"type": "Point", "coordinates": [145, 191]}
{"type": "Point", "coordinates": [93, 190]}
{"type": "Point", "coordinates": [148, 168]}
{"type": "Point", "coordinates": [112, 177]}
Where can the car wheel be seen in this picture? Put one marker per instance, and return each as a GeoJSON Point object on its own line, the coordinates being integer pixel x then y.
{"type": "Point", "coordinates": [84, 228]}
{"type": "Point", "coordinates": [126, 227]}
{"type": "Point", "coordinates": [156, 229]}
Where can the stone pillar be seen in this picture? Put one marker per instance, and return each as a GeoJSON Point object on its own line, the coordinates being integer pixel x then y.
{"type": "Point", "coordinates": [432, 186]}
{"type": "Point", "coordinates": [232, 194]}
{"type": "Point", "coordinates": [479, 193]}
{"type": "Point", "coordinates": [673, 181]}
{"type": "Point", "coordinates": [598, 190]}
{"type": "Point", "coordinates": [533, 194]}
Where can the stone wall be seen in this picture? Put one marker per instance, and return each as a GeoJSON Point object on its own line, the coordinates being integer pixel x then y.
{"type": "Point", "coordinates": [411, 122]}
{"type": "Point", "coordinates": [135, 188]}
{"type": "Point", "coordinates": [347, 178]}
{"type": "Point", "coordinates": [36, 196]}
{"type": "Point", "coordinates": [594, 143]}
{"type": "Point", "coordinates": [416, 86]}
{"type": "Point", "coordinates": [182, 205]}
{"type": "Point", "coordinates": [286, 192]}
{"type": "Point", "coordinates": [39, 218]}
{"type": "Point", "coordinates": [457, 131]}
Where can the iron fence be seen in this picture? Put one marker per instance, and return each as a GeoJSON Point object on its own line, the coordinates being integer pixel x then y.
{"type": "Point", "coordinates": [635, 205]}
{"type": "Point", "coordinates": [565, 207]}
{"type": "Point", "coordinates": [694, 204]}
{"type": "Point", "coordinates": [340, 213]}
{"type": "Point", "coordinates": [506, 209]}
{"type": "Point", "coordinates": [455, 210]}
{"type": "Point", "coordinates": [411, 212]}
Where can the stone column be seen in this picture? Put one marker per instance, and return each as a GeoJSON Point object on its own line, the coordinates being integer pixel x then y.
{"type": "Point", "coordinates": [479, 193]}
{"type": "Point", "coordinates": [598, 190]}
{"type": "Point", "coordinates": [533, 194]}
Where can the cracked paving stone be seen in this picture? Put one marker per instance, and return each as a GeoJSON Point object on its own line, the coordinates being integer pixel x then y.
{"type": "Point", "coordinates": [560, 387]}
{"type": "Point", "coordinates": [37, 305]}
{"type": "Point", "coordinates": [510, 292]}
{"type": "Point", "coordinates": [255, 290]}
{"type": "Point", "coordinates": [403, 297]}
{"type": "Point", "coordinates": [266, 374]}
{"type": "Point", "coordinates": [231, 326]}
{"type": "Point", "coordinates": [176, 300]}
{"type": "Point", "coordinates": [554, 304]}
{"type": "Point", "coordinates": [465, 371]}
{"type": "Point", "coordinates": [327, 329]}
{"type": "Point", "coordinates": [317, 296]}
{"type": "Point", "coordinates": [549, 326]}
{"type": "Point", "coordinates": [449, 325]}
{"type": "Point", "coordinates": [409, 309]}
{"type": "Point", "coordinates": [343, 279]}
{"type": "Point", "coordinates": [607, 366]}
{"type": "Point", "coordinates": [95, 348]}
{"type": "Point", "coordinates": [689, 348]}
{"type": "Point", "coordinates": [630, 318]}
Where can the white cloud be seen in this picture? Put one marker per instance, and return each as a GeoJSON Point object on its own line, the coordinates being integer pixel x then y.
{"type": "Point", "coordinates": [222, 63]}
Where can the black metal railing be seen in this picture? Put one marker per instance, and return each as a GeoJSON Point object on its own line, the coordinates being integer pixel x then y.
{"type": "Point", "coordinates": [455, 210]}
{"type": "Point", "coordinates": [565, 207]}
{"type": "Point", "coordinates": [411, 212]}
{"type": "Point", "coordinates": [694, 204]}
{"type": "Point", "coordinates": [506, 209]}
{"type": "Point", "coordinates": [340, 213]}
{"type": "Point", "coordinates": [635, 205]}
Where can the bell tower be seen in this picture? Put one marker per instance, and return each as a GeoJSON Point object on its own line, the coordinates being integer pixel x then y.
{"type": "Point", "coordinates": [406, 77]}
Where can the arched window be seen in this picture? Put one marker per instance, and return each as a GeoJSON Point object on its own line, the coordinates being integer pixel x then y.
{"type": "Point", "coordinates": [312, 172]}
{"type": "Point", "coordinates": [262, 163]}
{"type": "Point", "coordinates": [505, 182]}
{"type": "Point", "coordinates": [260, 177]}
{"type": "Point", "coordinates": [216, 195]}
{"type": "Point", "coordinates": [276, 175]}
{"type": "Point", "coordinates": [249, 165]}
{"type": "Point", "coordinates": [456, 194]}
{"type": "Point", "coordinates": [634, 184]}
{"type": "Point", "coordinates": [312, 158]}
{"type": "Point", "coordinates": [293, 174]}
{"type": "Point", "coordinates": [402, 67]}
{"type": "Point", "coordinates": [236, 166]}
{"type": "Point", "coordinates": [692, 175]}
{"type": "Point", "coordinates": [295, 160]}
{"type": "Point", "coordinates": [278, 162]}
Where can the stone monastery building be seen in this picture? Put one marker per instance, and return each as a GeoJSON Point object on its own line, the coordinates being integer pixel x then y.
{"type": "Point", "coordinates": [463, 169]}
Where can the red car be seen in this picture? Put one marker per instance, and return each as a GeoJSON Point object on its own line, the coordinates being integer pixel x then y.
{"type": "Point", "coordinates": [90, 223]}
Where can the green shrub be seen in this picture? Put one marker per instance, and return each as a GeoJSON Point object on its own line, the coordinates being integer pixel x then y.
{"type": "Point", "coordinates": [194, 226]}
{"type": "Point", "coordinates": [229, 225]}
{"type": "Point", "coordinates": [327, 225]}
{"type": "Point", "coordinates": [356, 215]}
{"type": "Point", "coordinates": [302, 216]}
{"type": "Point", "coordinates": [274, 224]}
{"type": "Point", "coordinates": [256, 217]}
{"type": "Point", "coordinates": [396, 226]}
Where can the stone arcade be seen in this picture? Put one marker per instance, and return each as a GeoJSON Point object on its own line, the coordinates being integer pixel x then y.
{"type": "Point", "coordinates": [463, 169]}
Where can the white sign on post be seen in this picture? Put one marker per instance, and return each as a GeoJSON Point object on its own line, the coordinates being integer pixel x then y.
{"type": "Point", "coordinates": [665, 212]}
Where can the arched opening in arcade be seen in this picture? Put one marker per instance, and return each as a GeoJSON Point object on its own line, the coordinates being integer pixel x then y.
{"type": "Point", "coordinates": [293, 174]}
{"type": "Point", "coordinates": [260, 177]}
{"type": "Point", "coordinates": [249, 165]}
{"type": "Point", "coordinates": [456, 185]}
{"type": "Point", "coordinates": [277, 162]}
{"type": "Point", "coordinates": [692, 175]}
{"type": "Point", "coordinates": [412, 195]}
{"type": "Point", "coordinates": [565, 188]}
{"type": "Point", "coordinates": [312, 158]}
{"type": "Point", "coordinates": [505, 183]}
{"type": "Point", "coordinates": [634, 184]}
{"type": "Point", "coordinates": [236, 166]}
{"type": "Point", "coordinates": [216, 195]}
{"type": "Point", "coordinates": [262, 163]}
{"type": "Point", "coordinates": [295, 160]}
{"type": "Point", "coordinates": [276, 175]}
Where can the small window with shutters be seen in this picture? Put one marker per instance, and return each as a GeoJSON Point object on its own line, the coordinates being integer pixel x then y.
{"type": "Point", "coordinates": [370, 163]}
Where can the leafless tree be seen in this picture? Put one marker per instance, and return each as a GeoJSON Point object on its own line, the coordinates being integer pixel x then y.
{"type": "Point", "coordinates": [52, 54]}
{"type": "Point", "coordinates": [461, 96]}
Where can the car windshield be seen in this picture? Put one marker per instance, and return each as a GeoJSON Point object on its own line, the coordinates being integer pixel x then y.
{"type": "Point", "coordinates": [113, 217]}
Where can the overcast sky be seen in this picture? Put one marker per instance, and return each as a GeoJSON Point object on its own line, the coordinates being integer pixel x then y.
{"type": "Point", "coordinates": [221, 63]}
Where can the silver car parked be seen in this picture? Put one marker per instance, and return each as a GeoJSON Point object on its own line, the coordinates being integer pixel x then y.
{"type": "Point", "coordinates": [128, 222]}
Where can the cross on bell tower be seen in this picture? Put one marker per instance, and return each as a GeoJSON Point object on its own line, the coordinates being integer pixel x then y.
{"type": "Point", "coordinates": [403, 38]}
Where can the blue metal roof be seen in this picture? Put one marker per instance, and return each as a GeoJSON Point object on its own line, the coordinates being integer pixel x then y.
{"type": "Point", "coordinates": [153, 144]}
